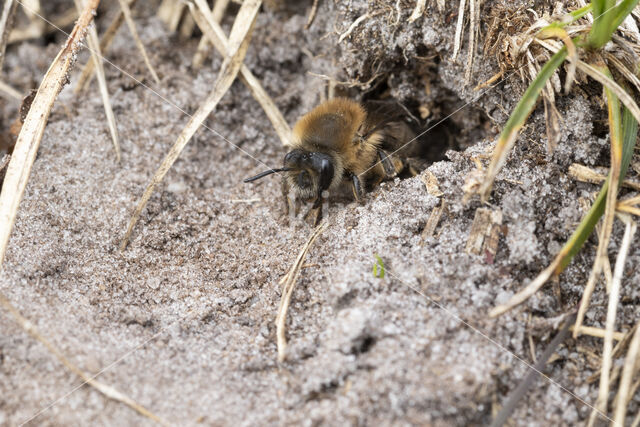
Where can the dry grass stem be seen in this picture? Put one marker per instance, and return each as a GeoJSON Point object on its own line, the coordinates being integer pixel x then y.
{"type": "Point", "coordinates": [87, 71]}
{"type": "Point", "coordinates": [312, 14]}
{"type": "Point", "coordinates": [474, 20]}
{"type": "Point", "coordinates": [625, 391]}
{"type": "Point", "coordinates": [458, 36]}
{"type": "Point", "coordinates": [176, 14]}
{"type": "Point", "coordinates": [624, 96]}
{"type": "Point", "coordinates": [612, 60]}
{"type": "Point", "coordinates": [586, 174]}
{"type": "Point", "coordinates": [485, 224]}
{"type": "Point", "coordinates": [134, 32]}
{"type": "Point", "coordinates": [187, 26]}
{"type": "Point", "coordinates": [528, 291]}
{"type": "Point", "coordinates": [490, 81]}
{"type": "Point", "coordinates": [289, 280]}
{"type": "Point", "coordinates": [18, 172]}
{"type": "Point", "coordinates": [105, 389]}
{"type": "Point", "coordinates": [28, 140]}
{"type": "Point", "coordinates": [434, 220]}
{"type": "Point", "coordinates": [354, 25]}
{"type": "Point", "coordinates": [614, 297]}
{"type": "Point", "coordinates": [40, 28]}
{"type": "Point", "coordinates": [164, 10]}
{"type": "Point", "coordinates": [10, 92]}
{"type": "Point", "coordinates": [237, 49]}
{"type": "Point", "coordinates": [418, 11]}
{"type": "Point", "coordinates": [597, 332]}
{"type": "Point", "coordinates": [211, 29]}
{"type": "Point", "coordinates": [94, 47]}
{"type": "Point", "coordinates": [219, 8]}
{"type": "Point", "coordinates": [6, 22]}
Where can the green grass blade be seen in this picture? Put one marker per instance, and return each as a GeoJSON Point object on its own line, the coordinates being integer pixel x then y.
{"type": "Point", "coordinates": [588, 223]}
{"type": "Point", "coordinates": [603, 15]}
{"type": "Point", "coordinates": [518, 118]}
{"type": "Point", "coordinates": [569, 18]}
{"type": "Point", "coordinates": [579, 13]}
{"type": "Point", "coordinates": [598, 7]}
{"type": "Point", "coordinates": [607, 20]}
{"type": "Point", "coordinates": [621, 12]}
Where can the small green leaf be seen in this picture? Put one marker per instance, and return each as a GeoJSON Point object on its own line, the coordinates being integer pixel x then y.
{"type": "Point", "coordinates": [378, 267]}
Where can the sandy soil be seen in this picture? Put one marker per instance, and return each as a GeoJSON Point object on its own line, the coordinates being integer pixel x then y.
{"type": "Point", "coordinates": [183, 320]}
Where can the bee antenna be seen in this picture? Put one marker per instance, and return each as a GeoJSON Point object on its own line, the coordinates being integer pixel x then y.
{"type": "Point", "coordinates": [265, 173]}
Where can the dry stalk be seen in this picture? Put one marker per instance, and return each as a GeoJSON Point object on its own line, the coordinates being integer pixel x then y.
{"type": "Point", "coordinates": [312, 14]}
{"type": "Point", "coordinates": [187, 26]}
{"type": "Point", "coordinates": [6, 22]}
{"type": "Point", "coordinates": [107, 38]}
{"type": "Point", "coordinates": [458, 36]}
{"type": "Point", "coordinates": [211, 29]}
{"type": "Point", "coordinates": [28, 140]}
{"type": "Point", "coordinates": [614, 296]}
{"type": "Point", "coordinates": [418, 11]}
{"type": "Point", "coordinates": [355, 24]}
{"type": "Point", "coordinates": [175, 15]}
{"type": "Point", "coordinates": [18, 172]}
{"type": "Point", "coordinates": [132, 27]}
{"type": "Point", "coordinates": [94, 47]}
{"type": "Point", "coordinates": [598, 333]}
{"type": "Point", "coordinates": [219, 8]}
{"type": "Point", "coordinates": [474, 20]}
{"type": "Point", "coordinates": [625, 391]}
{"type": "Point", "coordinates": [586, 174]}
{"type": "Point", "coordinates": [238, 44]}
{"type": "Point", "coordinates": [39, 28]}
{"type": "Point", "coordinates": [105, 389]}
{"type": "Point", "coordinates": [10, 91]}
{"type": "Point", "coordinates": [289, 280]}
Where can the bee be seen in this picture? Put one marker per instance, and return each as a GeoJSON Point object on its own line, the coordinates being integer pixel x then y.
{"type": "Point", "coordinates": [340, 141]}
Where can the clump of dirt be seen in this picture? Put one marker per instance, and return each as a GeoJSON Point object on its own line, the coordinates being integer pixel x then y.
{"type": "Point", "coordinates": [183, 320]}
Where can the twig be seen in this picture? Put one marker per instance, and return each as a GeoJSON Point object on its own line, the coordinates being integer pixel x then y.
{"type": "Point", "coordinates": [28, 140]}
{"type": "Point", "coordinates": [312, 14]}
{"type": "Point", "coordinates": [624, 394]}
{"type": "Point", "coordinates": [597, 332]}
{"type": "Point", "coordinates": [94, 47]}
{"type": "Point", "coordinates": [418, 11]}
{"type": "Point", "coordinates": [355, 24]}
{"type": "Point", "coordinates": [9, 91]}
{"type": "Point", "coordinates": [17, 175]}
{"type": "Point", "coordinates": [614, 297]}
{"type": "Point", "coordinates": [209, 26]}
{"type": "Point", "coordinates": [458, 36]}
{"type": "Point", "coordinates": [219, 8]}
{"type": "Point", "coordinates": [517, 395]}
{"type": "Point", "coordinates": [290, 280]}
{"type": "Point", "coordinates": [586, 174]}
{"type": "Point", "coordinates": [238, 44]}
{"type": "Point", "coordinates": [132, 27]}
{"type": "Point", "coordinates": [105, 42]}
{"type": "Point", "coordinates": [474, 19]}
{"type": "Point", "coordinates": [105, 389]}
{"type": "Point", "coordinates": [6, 22]}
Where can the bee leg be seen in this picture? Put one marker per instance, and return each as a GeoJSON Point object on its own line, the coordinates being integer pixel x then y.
{"type": "Point", "coordinates": [356, 186]}
{"type": "Point", "coordinates": [390, 168]}
{"type": "Point", "coordinates": [315, 210]}
{"type": "Point", "coordinates": [409, 169]}
{"type": "Point", "coordinates": [291, 204]}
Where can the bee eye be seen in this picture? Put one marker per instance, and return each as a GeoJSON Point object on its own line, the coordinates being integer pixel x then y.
{"type": "Point", "coordinates": [292, 158]}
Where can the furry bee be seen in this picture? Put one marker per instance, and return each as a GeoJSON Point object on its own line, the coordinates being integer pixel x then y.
{"type": "Point", "coordinates": [341, 140]}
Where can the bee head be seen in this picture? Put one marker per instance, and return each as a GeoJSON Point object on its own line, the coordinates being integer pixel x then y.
{"type": "Point", "coordinates": [307, 173]}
